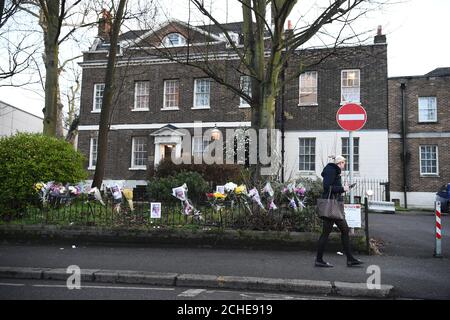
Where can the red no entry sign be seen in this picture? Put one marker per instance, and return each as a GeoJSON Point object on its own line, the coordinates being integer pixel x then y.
{"type": "Point", "coordinates": [351, 117]}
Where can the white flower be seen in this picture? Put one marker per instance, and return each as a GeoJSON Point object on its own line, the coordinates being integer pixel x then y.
{"type": "Point", "coordinates": [230, 186]}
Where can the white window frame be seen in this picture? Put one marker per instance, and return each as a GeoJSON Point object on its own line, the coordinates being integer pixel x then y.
{"type": "Point", "coordinates": [138, 94]}
{"type": "Point", "coordinates": [359, 86]}
{"type": "Point", "coordinates": [204, 149]}
{"type": "Point", "coordinates": [242, 102]}
{"type": "Point", "coordinates": [302, 170]}
{"type": "Point", "coordinates": [314, 89]}
{"type": "Point", "coordinates": [168, 43]}
{"type": "Point", "coordinates": [164, 96]}
{"type": "Point", "coordinates": [427, 174]}
{"type": "Point", "coordinates": [133, 166]}
{"type": "Point", "coordinates": [195, 94]}
{"type": "Point", "coordinates": [94, 99]}
{"type": "Point", "coordinates": [91, 152]}
{"type": "Point", "coordinates": [347, 155]}
{"type": "Point", "coordinates": [429, 98]}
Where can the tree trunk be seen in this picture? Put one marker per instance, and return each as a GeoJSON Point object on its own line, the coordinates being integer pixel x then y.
{"type": "Point", "coordinates": [107, 99]}
{"type": "Point", "coordinates": [51, 32]}
{"type": "Point", "coordinates": [59, 113]}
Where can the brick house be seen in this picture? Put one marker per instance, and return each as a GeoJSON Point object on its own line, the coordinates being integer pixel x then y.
{"type": "Point", "coordinates": [419, 136]}
{"type": "Point", "coordinates": [157, 98]}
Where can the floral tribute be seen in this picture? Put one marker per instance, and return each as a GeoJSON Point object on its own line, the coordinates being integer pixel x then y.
{"type": "Point", "coordinates": [188, 208]}
{"type": "Point", "coordinates": [292, 194]}
{"type": "Point", "coordinates": [57, 193]}
{"type": "Point", "coordinates": [295, 195]}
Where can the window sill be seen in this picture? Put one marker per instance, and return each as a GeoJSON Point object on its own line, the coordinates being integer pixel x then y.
{"type": "Point", "coordinates": [91, 168]}
{"type": "Point", "coordinates": [96, 111]}
{"type": "Point", "coordinates": [430, 175]}
{"type": "Point", "coordinates": [308, 105]}
{"type": "Point", "coordinates": [170, 109]}
{"type": "Point", "coordinates": [244, 106]}
{"type": "Point", "coordinates": [137, 110]}
{"type": "Point", "coordinates": [201, 108]}
{"type": "Point", "coordinates": [427, 122]}
{"type": "Point", "coordinates": [347, 102]}
{"type": "Point", "coordinates": [309, 173]}
{"type": "Point", "coordinates": [137, 168]}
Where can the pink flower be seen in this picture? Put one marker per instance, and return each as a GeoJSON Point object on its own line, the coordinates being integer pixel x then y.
{"type": "Point", "coordinates": [300, 191]}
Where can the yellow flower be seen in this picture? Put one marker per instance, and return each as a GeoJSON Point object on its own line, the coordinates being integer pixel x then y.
{"type": "Point", "coordinates": [128, 193]}
{"type": "Point", "coordinates": [240, 189]}
{"type": "Point", "coordinates": [219, 195]}
{"type": "Point", "coordinates": [38, 186]}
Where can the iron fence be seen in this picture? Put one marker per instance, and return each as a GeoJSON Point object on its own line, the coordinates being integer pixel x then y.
{"type": "Point", "coordinates": [85, 210]}
{"type": "Point", "coordinates": [380, 188]}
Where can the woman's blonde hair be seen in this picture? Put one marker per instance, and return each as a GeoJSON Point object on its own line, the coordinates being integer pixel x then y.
{"type": "Point", "coordinates": [337, 159]}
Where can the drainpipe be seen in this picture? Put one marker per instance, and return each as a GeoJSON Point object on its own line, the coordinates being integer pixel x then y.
{"type": "Point", "coordinates": [404, 146]}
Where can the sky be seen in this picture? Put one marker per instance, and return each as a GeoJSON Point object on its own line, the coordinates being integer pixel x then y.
{"type": "Point", "coordinates": [417, 35]}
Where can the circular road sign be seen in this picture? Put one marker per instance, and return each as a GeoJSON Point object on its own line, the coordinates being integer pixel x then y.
{"type": "Point", "coordinates": [351, 117]}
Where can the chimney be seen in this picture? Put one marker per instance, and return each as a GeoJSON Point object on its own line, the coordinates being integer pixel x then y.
{"type": "Point", "coordinates": [380, 37]}
{"type": "Point", "coordinates": [104, 25]}
{"type": "Point", "coordinates": [289, 25]}
{"type": "Point", "coordinates": [289, 32]}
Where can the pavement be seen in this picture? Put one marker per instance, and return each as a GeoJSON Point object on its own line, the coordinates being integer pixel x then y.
{"type": "Point", "coordinates": [406, 264]}
{"type": "Point", "coordinates": [27, 289]}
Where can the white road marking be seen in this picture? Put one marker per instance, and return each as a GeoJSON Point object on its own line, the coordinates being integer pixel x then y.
{"type": "Point", "coordinates": [191, 293]}
{"type": "Point", "coordinates": [351, 117]}
{"type": "Point", "coordinates": [12, 284]}
{"type": "Point", "coordinates": [101, 287]}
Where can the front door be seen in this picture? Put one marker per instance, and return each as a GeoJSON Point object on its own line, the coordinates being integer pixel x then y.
{"type": "Point", "coordinates": [167, 151]}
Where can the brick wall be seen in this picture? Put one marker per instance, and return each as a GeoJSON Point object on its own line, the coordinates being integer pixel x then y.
{"type": "Point", "coordinates": [224, 104]}
{"type": "Point", "coordinates": [415, 88]}
{"type": "Point", "coordinates": [372, 62]}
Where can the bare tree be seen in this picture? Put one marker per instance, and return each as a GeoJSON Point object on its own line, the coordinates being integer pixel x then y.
{"type": "Point", "coordinates": [108, 93]}
{"type": "Point", "coordinates": [72, 97]}
{"type": "Point", "coordinates": [52, 15]}
{"type": "Point", "coordinates": [7, 9]}
{"type": "Point", "coordinates": [266, 48]}
{"type": "Point", "coordinates": [18, 52]}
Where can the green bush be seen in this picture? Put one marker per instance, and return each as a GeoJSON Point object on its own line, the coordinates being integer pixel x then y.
{"type": "Point", "coordinates": [215, 174]}
{"type": "Point", "coordinates": [26, 159]}
{"type": "Point", "coordinates": [160, 188]}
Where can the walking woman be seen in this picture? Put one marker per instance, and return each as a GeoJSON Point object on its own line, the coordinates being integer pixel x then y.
{"type": "Point", "coordinates": [332, 179]}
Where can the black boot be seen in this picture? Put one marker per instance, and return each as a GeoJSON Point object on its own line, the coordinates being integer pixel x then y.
{"type": "Point", "coordinates": [354, 262]}
{"type": "Point", "coordinates": [323, 264]}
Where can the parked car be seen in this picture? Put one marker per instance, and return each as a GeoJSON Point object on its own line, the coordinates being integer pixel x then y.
{"type": "Point", "coordinates": [443, 195]}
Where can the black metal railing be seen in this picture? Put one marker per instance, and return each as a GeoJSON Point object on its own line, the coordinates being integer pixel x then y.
{"type": "Point", "coordinates": [380, 188]}
{"type": "Point", "coordinates": [86, 211]}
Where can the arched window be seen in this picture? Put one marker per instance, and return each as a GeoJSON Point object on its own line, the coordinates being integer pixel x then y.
{"type": "Point", "coordinates": [174, 40]}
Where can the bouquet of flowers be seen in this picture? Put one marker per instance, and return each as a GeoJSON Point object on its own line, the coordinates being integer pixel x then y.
{"type": "Point", "coordinates": [268, 194]}
{"type": "Point", "coordinates": [128, 193]}
{"type": "Point", "coordinates": [188, 208]}
{"type": "Point", "coordinates": [236, 193]}
{"type": "Point", "coordinates": [216, 200]}
{"type": "Point", "coordinates": [295, 195]}
{"type": "Point", "coordinates": [56, 193]}
{"type": "Point", "coordinates": [254, 196]}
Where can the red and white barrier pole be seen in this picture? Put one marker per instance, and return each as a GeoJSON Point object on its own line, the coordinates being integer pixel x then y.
{"type": "Point", "coordinates": [438, 247]}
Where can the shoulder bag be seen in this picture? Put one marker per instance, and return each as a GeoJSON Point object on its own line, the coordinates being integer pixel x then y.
{"type": "Point", "coordinates": [330, 208]}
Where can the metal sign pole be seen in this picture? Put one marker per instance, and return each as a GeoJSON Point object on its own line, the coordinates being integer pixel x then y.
{"type": "Point", "coordinates": [350, 164]}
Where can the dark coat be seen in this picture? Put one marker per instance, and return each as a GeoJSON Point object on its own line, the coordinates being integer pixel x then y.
{"type": "Point", "coordinates": [332, 179]}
